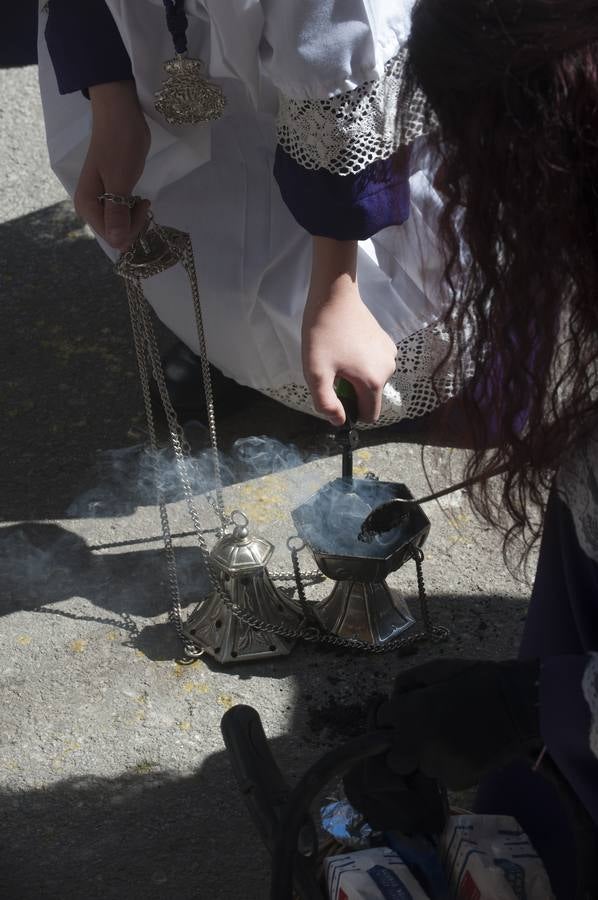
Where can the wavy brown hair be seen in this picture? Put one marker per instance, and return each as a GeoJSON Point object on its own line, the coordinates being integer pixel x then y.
{"type": "Point", "coordinates": [514, 86]}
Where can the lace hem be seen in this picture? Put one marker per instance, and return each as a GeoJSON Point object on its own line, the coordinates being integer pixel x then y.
{"type": "Point", "coordinates": [590, 691]}
{"type": "Point", "coordinates": [410, 393]}
{"type": "Point", "coordinates": [346, 133]}
{"type": "Point", "coordinates": [577, 484]}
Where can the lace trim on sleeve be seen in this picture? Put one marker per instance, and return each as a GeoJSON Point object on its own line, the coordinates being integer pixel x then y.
{"type": "Point", "coordinates": [411, 392]}
{"type": "Point", "coordinates": [346, 133]}
{"type": "Point", "coordinates": [590, 690]}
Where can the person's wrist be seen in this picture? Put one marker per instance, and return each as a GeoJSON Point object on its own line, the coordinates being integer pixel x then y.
{"type": "Point", "coordinates": [334, 272]}
{"type": "Point", "coordinates": [342, 293]}
{"type": "Point", "coordinates": [105, 98]}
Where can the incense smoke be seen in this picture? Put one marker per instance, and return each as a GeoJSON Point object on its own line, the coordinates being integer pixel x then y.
{"type": "Point", "coordinates": [127, 478]}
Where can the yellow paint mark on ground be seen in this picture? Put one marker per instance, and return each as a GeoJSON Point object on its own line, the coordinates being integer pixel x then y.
{"type": "Point", "coordinates": [144, 767]}
{"type": "Point", "coordinates": [181, 670]}
{"type": "Point", "coordinates": [364, 454]}
{"type": "Point", "coordinates": [196, 687]}
{"type": "Point", "coordinates": [112, 636]}
{"type": "Point", "coordinates": [267, 501]}
{"type": "Point", "coordinates": [24, 640]}
{"type": "Point", "coordinates": [460, 518]}
{"type": "Point", "coordinates": [226, 701]}
{"type": "Point", "coordinates": [69, 747]}
{"type": "Point", "coordinates": [140, 715]}
{"type": "Point", "coordinates": [79, 646]}
{"type": "Point", "coordinates": [184, 726]}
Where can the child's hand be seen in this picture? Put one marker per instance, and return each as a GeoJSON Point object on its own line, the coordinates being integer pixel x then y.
{"type": "Point", "coordinates": [341, 338]}
{"type": "Point", "coordinates": [119, 144]}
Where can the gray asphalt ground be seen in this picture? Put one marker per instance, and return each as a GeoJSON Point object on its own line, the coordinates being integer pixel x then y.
{"type": "Point", "coordinates": [113, 778]}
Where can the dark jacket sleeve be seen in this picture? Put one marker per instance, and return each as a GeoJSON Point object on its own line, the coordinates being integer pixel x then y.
{"type": "Point", "coordinates": [562, 629]}
{"type": "Point", "coordinates": [85, 45]}
{"type": "Point", "coordinates": [346, 207]}
{"type": "Point", "coordinates": [566, 724]}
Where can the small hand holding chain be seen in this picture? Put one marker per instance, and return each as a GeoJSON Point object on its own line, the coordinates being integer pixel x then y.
{"type": "Point", "coordinates": [157, 249]}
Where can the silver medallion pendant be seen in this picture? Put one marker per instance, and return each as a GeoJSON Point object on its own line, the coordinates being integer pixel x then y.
{"type": "Point", "coordinates": [186, 97]}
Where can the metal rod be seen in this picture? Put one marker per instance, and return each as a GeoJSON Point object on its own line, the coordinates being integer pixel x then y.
{"type": "Point", "coordinates": [347, 460]}
{"type": "Point", "coordinates": [388, 515]}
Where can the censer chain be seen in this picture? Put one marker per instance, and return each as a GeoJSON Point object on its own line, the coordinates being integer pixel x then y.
{"type": "Point", "coordinates": [314, 634]}
{"type": "Point", "coordinates": [136, 309]}
{"type": "Point", "coordinates": [148, 357]}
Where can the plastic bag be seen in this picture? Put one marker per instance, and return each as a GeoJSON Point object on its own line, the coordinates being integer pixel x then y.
{"type": "Point", "coordinates": [491, 858]}
{"type": "Point", "coordinates": [376, 874]}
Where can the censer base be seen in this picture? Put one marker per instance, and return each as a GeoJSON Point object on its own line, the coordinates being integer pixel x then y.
{"type": "Point", "coordinates": [372, 612]}
{"type": "Point", "coordinates": [215, 629]}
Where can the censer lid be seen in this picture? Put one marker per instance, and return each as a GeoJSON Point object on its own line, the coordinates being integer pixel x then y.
{"type": "Point", "coordinates": [157, 249]}
{"type": "Point", "coordinates": [239, 553]}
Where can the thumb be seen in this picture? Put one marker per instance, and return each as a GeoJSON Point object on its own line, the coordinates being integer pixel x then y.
{"type": "Point", "coordinates": [117, 224]}
{"type": "Point", "coordinates": [325, 399]}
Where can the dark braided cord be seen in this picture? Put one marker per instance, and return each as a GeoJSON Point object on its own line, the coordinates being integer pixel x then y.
{"type": "Point", "coordinates": [176, 19]}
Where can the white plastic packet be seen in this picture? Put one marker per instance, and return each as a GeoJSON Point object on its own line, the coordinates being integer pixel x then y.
{"type": "Point", "coordinates": [376, 874]}
{"type": "Point", "coordinates": [491, 858]}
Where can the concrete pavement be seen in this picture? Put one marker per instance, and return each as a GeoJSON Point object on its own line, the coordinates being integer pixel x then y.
{"type": "Point", "coordinates": [113, 779]}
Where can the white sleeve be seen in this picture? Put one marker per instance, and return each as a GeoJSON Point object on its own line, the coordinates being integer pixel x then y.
{"type": "Point", "coordinates": [339, 66]}
{"type": "Point", "coordinates": [315, 49]}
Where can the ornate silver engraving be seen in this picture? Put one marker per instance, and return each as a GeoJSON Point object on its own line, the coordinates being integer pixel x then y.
{"type": "Point", "coordinates": [187, 97]}
{"type": "Point", "coordinates": [238, 562]}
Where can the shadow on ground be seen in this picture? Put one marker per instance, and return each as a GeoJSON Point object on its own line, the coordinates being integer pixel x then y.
{"type": "Point", "coordinates": [18, 35]}
{"type": "Point", "coordinates": [42, 564]}
{"type": "Point", "coordinates": [68, 383]}
{"type": "Point", "coordinates": [68, 377]}
{"type": "Point", "coordinates": [155, 834]}
{"type": "Point", "coordinates": [145, 834]}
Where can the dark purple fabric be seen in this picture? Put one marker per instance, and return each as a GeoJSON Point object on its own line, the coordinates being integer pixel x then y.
{"type": "Point", "coordinates": [563, 614]}
{"type": "Point", "coordinates": [345, 207]}
{"type": "Point", "coordinates": [86, 49]}
{"type": "Point", "coordinates": [85, 45]}
{"type": "Point", "coordinates": [561, 629]}
{"type": "Point", "coordinates": [176, 20]}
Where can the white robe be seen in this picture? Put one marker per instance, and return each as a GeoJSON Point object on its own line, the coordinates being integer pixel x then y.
{"type": "Point", "coordinates": [215, 181]}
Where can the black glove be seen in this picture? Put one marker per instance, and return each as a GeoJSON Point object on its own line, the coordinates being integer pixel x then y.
{"type": "Point", "coordinates": [451, 720]}
{"type": "Point", "coordinates": [457, 720]}
{"type": "Point", "coordinates": [413, 804]}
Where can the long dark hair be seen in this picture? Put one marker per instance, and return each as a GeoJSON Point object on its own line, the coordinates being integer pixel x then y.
{"type": "Point", "coordinates": [514, 85]}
